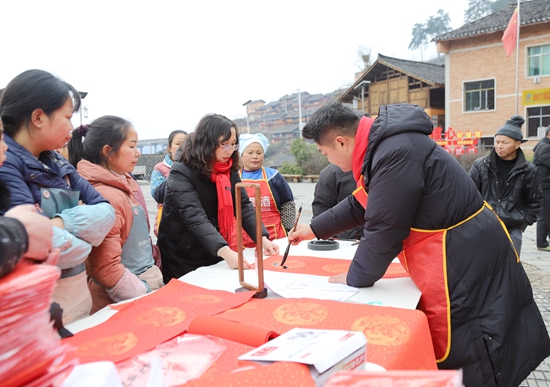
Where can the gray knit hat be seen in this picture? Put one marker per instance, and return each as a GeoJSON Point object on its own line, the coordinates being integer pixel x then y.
{"type": "Point", "coordinates": [512, 128]}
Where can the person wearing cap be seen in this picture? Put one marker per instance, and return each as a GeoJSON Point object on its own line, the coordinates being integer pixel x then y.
{"type": "Point", "coordinates": [277, 200]}
{"type": "Point", "coordinates": [542, 162]}
{"type": "Point", "coordinates": [508, 182]}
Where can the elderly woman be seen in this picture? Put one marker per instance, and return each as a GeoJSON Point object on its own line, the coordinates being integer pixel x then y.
{"type": "Point", "coordinates": [277, 201]}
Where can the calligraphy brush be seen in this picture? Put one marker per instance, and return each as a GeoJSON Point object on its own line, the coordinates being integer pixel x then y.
{"type": "Point", "coordinates": [288, 247]}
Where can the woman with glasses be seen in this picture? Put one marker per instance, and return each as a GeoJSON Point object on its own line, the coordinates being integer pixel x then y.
{"type": "Point", "coordinates": [199, 202]}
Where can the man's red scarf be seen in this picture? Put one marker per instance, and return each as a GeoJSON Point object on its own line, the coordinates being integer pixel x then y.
{"type": "Point", "coordinates": [220, 176]}
{"type": "Point", "coordinates": [360, 149]}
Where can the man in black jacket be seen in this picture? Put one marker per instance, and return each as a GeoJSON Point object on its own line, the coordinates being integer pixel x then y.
{"type": "Point", "coordinates": [508, 182]}
{"type": "Point", "coordinates": [542, 162]}
{"type": "Point", "coordinates": [333, 186]}
{"type": "Point", "coordinates": [423, 206]}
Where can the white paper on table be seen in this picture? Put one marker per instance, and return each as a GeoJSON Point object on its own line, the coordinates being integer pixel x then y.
{"type": "Point", "coordinates": [309, 286]}
{"type": "Point", "coordinates": [321, 348]}
{"type": "Point", "coordinates": [100, 374]}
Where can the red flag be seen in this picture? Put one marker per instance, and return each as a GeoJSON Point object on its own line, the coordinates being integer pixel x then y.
{"type": "Point", "coordinates": [510, 36]}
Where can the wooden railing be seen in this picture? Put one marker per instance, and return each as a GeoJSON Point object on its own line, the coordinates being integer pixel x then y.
{"type": "Point", "coordinates": [299, 178]}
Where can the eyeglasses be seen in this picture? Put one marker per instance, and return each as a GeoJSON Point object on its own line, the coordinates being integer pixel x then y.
{"type": "Point", "coordinates": [228, 147]}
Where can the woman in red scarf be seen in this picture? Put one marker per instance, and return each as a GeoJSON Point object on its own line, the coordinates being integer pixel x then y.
{"type": "Point", "coordinates": [199, 205]}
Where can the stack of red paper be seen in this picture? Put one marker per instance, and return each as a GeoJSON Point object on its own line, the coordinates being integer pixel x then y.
{"type": "Point", "coordinates": [30, 349]}
{"type": "Point", "coordinates": [426, 378]}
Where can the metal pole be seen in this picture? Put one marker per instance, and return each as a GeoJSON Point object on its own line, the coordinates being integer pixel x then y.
{"type": "Point", "coordinates": [300, 111]}
{"type": "Point", "coordinates": [363, 97]}
{"type": "Point", "coordinates": [517, 58]}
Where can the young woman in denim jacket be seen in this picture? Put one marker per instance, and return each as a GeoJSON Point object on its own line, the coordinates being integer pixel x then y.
{"type": "Point", "coordinates": [36, 109]}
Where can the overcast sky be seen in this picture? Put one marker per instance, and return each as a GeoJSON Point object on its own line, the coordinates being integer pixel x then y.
{"type": "Point", "coordinates": [165, 64]}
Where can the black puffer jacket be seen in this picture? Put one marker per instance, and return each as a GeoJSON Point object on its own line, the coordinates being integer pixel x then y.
{"type": "Point", "coordinates": [189, 236]}
{"type": "Point", "coordinates": [517, 198]}
{"type": "Point", "coordinates": [542, 162]}
{"type": "Point", "coordinates": [333, 186]}
{"type": "Point", "coordinates": [497, 333]}
{"type": "Point", "coordinates": [13, 243]}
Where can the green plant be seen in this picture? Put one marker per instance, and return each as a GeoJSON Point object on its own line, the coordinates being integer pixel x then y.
{"type": "Point", "coordinates": [290, 169]}
{"type": "Point", "coordinates": [302, 151]}
{"type": "Point", "coordinates": [315, 164]}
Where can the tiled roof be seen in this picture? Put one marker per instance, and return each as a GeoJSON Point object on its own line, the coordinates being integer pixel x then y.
{"type": "Point", "coordinates": [432, 74]}
{"type": "Point", "coordinates": [273, 117]}
{"type": "Point", "coordinates": [427, 72]}
{"type": "Point", "coordinates": [314, 97]}
{"type": "Point", "coordinates": [284, 129]}
{"type": "Point", "coordinates": [531, 12]}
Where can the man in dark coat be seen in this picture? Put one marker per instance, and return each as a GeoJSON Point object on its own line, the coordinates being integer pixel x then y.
{"type": "Point", "coordinates": [424, 207]}
{"type": "Point", "coordinates": [542, 162]}
{"type": "Point", "coordinates": [508, 182]}
{"type": "Point", "coordinates": [333, 186]}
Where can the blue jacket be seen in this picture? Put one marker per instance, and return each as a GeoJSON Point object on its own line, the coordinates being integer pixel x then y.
{"type": "Point", "coordinates": [85, 226]}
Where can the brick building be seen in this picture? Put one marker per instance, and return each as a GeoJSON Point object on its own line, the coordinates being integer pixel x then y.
{"type": "Point", "coordinates": [480, 80]}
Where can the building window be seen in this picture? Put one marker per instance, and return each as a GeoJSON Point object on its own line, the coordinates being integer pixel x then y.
{"type": "Point", "coordinates": [537, 117]}
{"type": "Point", "coordinates": [539, 60]}
{"type": "Point", "coordinates": [479, 95]}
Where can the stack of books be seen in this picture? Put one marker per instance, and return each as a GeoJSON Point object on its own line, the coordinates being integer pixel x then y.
{"type": "Point", "coordinates": [30, 350]}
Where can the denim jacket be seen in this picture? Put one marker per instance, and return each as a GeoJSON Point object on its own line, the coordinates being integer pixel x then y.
{"type": "Point", "coordinates": [85, 225]}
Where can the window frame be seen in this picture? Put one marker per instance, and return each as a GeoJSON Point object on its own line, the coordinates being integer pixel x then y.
{"type": "Point", "coordinates": [542, 116]}
{"type": "Point", "coordinates": [481, 89]}
{"type": "Point", "coordinates": [528, 74]}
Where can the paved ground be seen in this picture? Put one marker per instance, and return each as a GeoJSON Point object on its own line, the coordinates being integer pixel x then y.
{"type": "Point", "coordinates": [537, 266]}
{"type": "Point", "coordinates": [535, 262]}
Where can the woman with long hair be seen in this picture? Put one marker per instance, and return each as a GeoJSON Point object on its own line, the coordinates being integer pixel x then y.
{"type": "Point", "coordinates": [36, 109]}
{"type": "Point", "coordinates": [122, 266]}
{"type": "Point", "coordinates": [199, 203]}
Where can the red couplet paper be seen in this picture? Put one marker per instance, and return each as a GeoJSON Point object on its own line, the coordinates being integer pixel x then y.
{"type": "Point", "coordinates": [230, 330]}
{"type": "Point", "coordinates": [149, 321]}
{"type": "Point", "coordinates": [30, 348]}
{"type": "Point", "coordinates": [396, 338]}
{"type": "Point", "coordinates": [443, 378]}
{"type": "Point", "coordinates": [279, 374]}
{"type": "Point", "coordinates": [323, 266]}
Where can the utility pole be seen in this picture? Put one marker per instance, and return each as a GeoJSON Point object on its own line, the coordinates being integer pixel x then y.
{"type": "Point", "coordinates": [246, 110]}
{"type": "Point", "coordinates": [83, 95]}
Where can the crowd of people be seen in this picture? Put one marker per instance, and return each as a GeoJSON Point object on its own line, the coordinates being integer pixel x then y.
{"type": "Point", "coordinates": [68, 198]}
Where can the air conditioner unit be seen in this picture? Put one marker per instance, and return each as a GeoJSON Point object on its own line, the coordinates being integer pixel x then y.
{"type": "Point", "coordinates": [536, 79]}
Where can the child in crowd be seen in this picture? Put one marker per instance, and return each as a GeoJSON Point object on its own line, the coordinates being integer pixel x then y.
{"type": "Point", "coordinates": [162, 169]}
{"type": "Point", "coordinates": [36, 109]}
{"type": "Point", "coordinates": [199, 212]}
{"type": "Point", "coordinates": [277, 201]}
{"type": "Point", "coordinates": [122, 266]}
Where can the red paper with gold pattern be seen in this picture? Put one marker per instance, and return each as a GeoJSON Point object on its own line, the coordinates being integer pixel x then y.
{"type": "Point", "coordinates": [279, 374]}
{"type": "Point", "coordinates": [396, 338]}
{"type": "Point", "coordinates": [440, 378]}
{"type": "Point", "coordinates": [323, 266]}
{"type": "Point", "coordinates": [149, 321]}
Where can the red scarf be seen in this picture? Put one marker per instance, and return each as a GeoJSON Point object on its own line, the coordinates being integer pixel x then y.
{"type": "Point", "coordinates": [360, 149]}
{"type": "Point", "coordinates": [220, 176]}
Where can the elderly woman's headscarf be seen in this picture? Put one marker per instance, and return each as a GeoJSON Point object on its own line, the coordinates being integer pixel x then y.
{"type": "Point", "coordinates": [246, 139]}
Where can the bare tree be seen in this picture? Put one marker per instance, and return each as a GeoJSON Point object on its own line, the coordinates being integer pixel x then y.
{"type": "Point", "coordinates": [363, 57]}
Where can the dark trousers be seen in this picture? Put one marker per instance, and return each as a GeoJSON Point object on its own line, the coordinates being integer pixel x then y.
{"type": "Point", "coordinates": [543, 221]}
